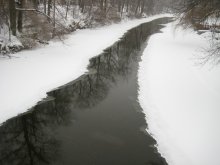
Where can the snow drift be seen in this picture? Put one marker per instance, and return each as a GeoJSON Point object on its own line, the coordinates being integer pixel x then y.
{"type": "Point", "coordinates": [181, 100]}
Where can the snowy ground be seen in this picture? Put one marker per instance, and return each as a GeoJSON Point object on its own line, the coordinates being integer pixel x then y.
{"type": "Point", "coordinates": [181, 100]}
{"type": "Point", "coordinates": [27, 77]}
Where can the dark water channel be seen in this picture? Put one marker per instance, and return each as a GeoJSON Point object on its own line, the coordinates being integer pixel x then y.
{"type": "Point", "coordinates": [94, 120]}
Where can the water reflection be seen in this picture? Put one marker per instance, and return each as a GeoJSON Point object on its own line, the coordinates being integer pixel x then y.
{"type": "Point", "coordinates": [90, 120]}
{"type": "Point", "coordinates": [24, 141]}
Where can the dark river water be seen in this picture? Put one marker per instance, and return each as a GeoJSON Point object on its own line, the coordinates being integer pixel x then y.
{"type": "Point", "coordinates": [94, 120]}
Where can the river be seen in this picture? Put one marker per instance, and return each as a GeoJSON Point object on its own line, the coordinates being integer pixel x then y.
{"type": "Point", "coordinates": [93, 120]}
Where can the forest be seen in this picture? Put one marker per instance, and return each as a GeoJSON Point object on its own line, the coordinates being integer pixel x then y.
{"type": "Point", "coordinates": [40, 20]}
{"type": "Point", "coordinates": [27, 23]}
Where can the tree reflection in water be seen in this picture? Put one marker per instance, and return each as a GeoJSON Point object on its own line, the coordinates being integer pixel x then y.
{"type": "Point", "coordinates": [31, 138]}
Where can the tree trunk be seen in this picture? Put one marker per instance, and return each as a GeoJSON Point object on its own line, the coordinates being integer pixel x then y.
{"type": "Point", "coordinates": [82, 6]}
{"type": "Point", "coordinates": [45, 6]}
{"type": "Point", "coordinates": [91, 5]}
{"type": "Point", "coordinates": [49, 7]}
{"type": "Point", "coordinates": [35, 4]}
{"type": "Point", "coordinates": [67, 8]}
{"type": "Point", "coordinates": [142, 6]}
{"type": "Point", "coordinates": [20, 16]}
{"type": "Point", "coordinates": [119, 5]}
{"type": "Point", "coordinates": [122, 6]}
{"type": "Point", "coordinates": [101, 4]}
{"type": "Point", "coordinates": [127, 9]}
{"type": "Point", "coordinates": [137, 7]}
{"type": "Point", "coordinates": [54, 14]}
{"type": "Point", "coordinates": [12, 17]}
{"type": "Point", "coordinates": [105, 6]}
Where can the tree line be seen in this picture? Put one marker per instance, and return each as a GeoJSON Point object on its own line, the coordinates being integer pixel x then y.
{"type": "Point", "coordinates": [21, 15]}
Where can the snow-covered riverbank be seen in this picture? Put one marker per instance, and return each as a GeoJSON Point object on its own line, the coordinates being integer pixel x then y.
{"type": "Point", "coordinates": [181, 100]}
{"type": "Point", "coordinates": [27, 77]}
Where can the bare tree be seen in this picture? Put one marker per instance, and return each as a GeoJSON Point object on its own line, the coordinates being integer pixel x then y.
{"type": "Point", "coordinates": [197, 14]}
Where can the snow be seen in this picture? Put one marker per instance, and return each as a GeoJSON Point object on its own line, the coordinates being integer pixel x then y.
{"type": "Point", "coordinates": [6, 41]}
{"type": "Point", "coordinates": [212, 21]}
{"type": "Point", "coordinates": [26, 78]}
{"type": "Point", "coordinates": [180, 98]}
